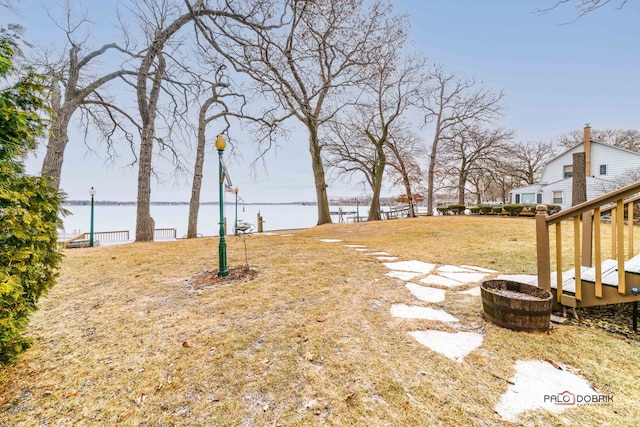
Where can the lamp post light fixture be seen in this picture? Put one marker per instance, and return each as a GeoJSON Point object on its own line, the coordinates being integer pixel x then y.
{"type": "Point", "coordinates": [93, 193]}
{"type": "Point", "coordinates": [222, 246]}
{"type": "Point", "coordinates": [235, 228]}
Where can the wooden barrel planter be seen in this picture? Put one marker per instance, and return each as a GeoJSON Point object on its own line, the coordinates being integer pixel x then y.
{"type": "Point", "coordinates": [516, 306]}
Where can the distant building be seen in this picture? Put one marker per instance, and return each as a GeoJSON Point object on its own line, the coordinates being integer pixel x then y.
{"type": "Point", "coordinates": [603, 163]}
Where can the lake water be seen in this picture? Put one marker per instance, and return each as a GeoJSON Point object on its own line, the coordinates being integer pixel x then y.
{"type": "Point", "coordinates": [275, 217]}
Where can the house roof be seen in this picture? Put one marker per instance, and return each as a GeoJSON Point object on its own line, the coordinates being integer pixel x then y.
{"type": "Point", "coordinates": [536, 187]}
{"type": "Point", "coordinates": [592, 142]}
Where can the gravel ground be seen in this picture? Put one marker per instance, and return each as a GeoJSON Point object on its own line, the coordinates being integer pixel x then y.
{"type": "Point", "coordinates": [615, 318]}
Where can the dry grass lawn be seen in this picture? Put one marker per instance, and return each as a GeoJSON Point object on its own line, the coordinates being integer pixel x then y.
{"type": "Point", "coordinates": [123, 340]}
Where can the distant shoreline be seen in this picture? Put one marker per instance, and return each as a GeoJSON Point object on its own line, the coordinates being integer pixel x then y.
{"type": "Point", "coordinates": [116, 203]}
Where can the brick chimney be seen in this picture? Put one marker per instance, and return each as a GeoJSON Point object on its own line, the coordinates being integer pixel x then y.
{"type": "Point", "coordinates": [587, 149]}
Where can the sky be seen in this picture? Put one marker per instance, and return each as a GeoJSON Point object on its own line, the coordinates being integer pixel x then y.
{"type": "Point", "coordinates": [556, 76]}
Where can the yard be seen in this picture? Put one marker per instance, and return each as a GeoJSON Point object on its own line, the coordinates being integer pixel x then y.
{"type": "Point", "coordinates": [126, 339]}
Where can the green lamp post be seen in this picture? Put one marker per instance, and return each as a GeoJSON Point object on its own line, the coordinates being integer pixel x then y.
{"type": "Point", "coordinates": [222, 246]}
{"type": "Point", "coordinates": [235, 228]}
{"type": "Point", "coordinates": [93, 193]}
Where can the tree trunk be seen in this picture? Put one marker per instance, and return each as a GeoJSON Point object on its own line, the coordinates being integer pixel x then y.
{"type": "Point", "coordinates": [407, 189]}
{"type": "Point", "coordinates": [579, 193]}
{"type": "Point", "coordinates": [378, 173]}
{"type": "Point", "coordinates": [54, 157]}
{"type": "Point", "coordinates": [432, 169]}
{"type": "Point", "coordinates": [374, 209]}
{"type": "Point", "coordinates": [194, 203]}
{"type": "Point", "coordinates": [462, 184]}
{"type": "Point", "coordinates": [324, 215]}
{"type": "Point", "coordinates": [144, 223]}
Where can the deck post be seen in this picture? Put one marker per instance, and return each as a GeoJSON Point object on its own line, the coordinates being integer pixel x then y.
{"type": "Point", "coordinates": [587, 239]}
{"type": "Point", "coordinates": [542, 244]}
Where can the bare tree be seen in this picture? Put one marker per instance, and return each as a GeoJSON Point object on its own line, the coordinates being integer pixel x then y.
{"type": "Point", "coordinates": [471, 151]}
{"type": "Point", "coordinates": [450, 103]}
{"type": "Point", "coordinates": [407, 153]}
{"type": "Point", "coordinates": [160, 22]}
{"type": "Point", "coordinates": [320, 51]}
{"type": "Point", "coordinates": [584, 7]}
{"type": "Point", "coordinates": [74, 85]}
{"type": "Point", "coordinates": [623, 138]}
{"type": "Point", "coordinates": [525, 161]}
{"type": "Point", "coordinates": [393, 86]}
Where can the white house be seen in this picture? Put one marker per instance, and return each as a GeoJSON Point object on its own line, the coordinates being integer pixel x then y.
{"type": "Point", "coordinates": [603, 162]}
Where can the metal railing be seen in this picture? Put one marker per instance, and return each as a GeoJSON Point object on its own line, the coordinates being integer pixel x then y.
{"type": "Point", "coordinates": [109, 236]}
{"type": "Point", "coordinates": [164, 233]}
{"type": "Point", "coordinates": [587, 245]}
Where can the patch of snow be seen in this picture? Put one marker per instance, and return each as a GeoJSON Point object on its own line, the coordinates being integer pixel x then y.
{"type": "Point", "coordinates": [387, 258]}
{"type": "Point", "coordinates": [453, 269]}
{"type": "Point", "coordinates": [403, 275]}
{"type": "Point", "coordinates": [475, 291]}
{"type": "Point", "coordinates": [416, 266]}
{"type": "Point", "coordinates": [362, 249]}
{"type": "Point", "coordinates": [356, 246]}
{"type": "Point", "coordinates": [377, 253]}
{"type": "Point", "coordinates": [536, 379]}
{"type": "Point", "coordinates": [455, 345]}
{"type": "Point", "coordinates": [465, 277]}
{"type": "Point", "coordinates": [417, 312]}
{"type": "Point", "coordinates": [426, 293]}
{"type": "Point", "coordinates": [330, 240]}
{"type": "Point", "coordinates": [441, 281]}
{"type": "Point", "coordinates": [484, 270]}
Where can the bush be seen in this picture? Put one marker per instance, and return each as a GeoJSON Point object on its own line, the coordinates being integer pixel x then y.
{"type": "Point", "coordinates": [475, 210]}
{"type": "Point", "coordinates": [443, 211]}
{"type": "Point", "coordinates": [485, 210]}
{"type": "Point", "coordinates": [514, 209]}
{"type": "Point", "coordinates": [497, 210]}
{"type": "Point", "coordinates": [457, 209]}
{"type": "Point", "coordinates": [28, 208]}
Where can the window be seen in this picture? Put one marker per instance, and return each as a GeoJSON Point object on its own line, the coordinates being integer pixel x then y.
{"type": "Point", "coordinates": [528, 198]}
{"type": "Point", "coordinates": [557, 197]}
{"type": "Point", "coordinates": [567, 171]}
{"type": "Point", "coordinates": [517, 198]}
{"type": "Point", "coordinates": [603, 169]}
{"type": "Point", "coordinates": [539, 198]}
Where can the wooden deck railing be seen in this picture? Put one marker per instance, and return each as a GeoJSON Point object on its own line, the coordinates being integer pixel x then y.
{"type": "Point", "coordinates": [587, 239]}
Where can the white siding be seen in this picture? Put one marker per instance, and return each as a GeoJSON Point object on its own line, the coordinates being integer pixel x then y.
{"type": "Point", "coordinates": [618, 161]}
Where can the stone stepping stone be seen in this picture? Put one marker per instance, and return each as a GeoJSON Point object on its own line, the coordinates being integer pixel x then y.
{"type": "Point", "coordinates": [387, 258]}
{"type": "Point", "coordinates": [433, 279]}
{"type": "Point", "coordinates": [465, 277]}
{"type": "Point", "coordinates": [426, 293]}
{"type": "Point", "coordinates": [454, 346]}
{"type": "Point", "coordinates": [415, 266]}
{"type": "Point", "coordinates": [484, 270]}
{"type": "Point", "coordinates": [403, 275]}
{"type": "Point", "coordinates": [418, 312]}
{"type": "Point", "coordinates": [539, 385]}
{"type": "Point", "coordinates": [475, 291]}
{"type": "Point", "coordinates": [453, 269]}
{"type": "Point", "coordinates": [330, 240]}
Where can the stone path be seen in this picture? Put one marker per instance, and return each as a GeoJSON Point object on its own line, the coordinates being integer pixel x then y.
{"type": "Point", "coordinates": [533, 381]}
